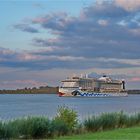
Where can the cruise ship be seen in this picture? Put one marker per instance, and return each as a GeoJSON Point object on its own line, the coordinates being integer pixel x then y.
{"type": "Point", "coordinates": [92, 87]}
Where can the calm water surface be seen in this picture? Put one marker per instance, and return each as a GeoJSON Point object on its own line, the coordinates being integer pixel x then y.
{"type": "Point", "coordinates": [13, 106]}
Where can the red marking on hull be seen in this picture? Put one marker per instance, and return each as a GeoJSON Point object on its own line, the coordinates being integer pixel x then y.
{"type": "Point", "coordinates": [60, 94]}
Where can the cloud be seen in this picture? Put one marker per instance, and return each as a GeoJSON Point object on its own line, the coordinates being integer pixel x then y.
{"type": "Point", "coordinates": [44, 59]}
{"type": "Point", "coordinates": [129, 5]}
{"type": "Point", "coordinates": [52, 77]}
{"type": "Point", "coordinates": [134, 79]}
{"type": "Point", "coordinates": [96, 32]}
{"type": "Point", "coordinates": [38, 5]}
{"type": "Point", "coordinates": [114, 76]}
{"type": "Point", "coordinates": [25, 28]}
{"type": "Point", "coordinates": [103, 38]}
{"type": "Point", "coordinates": [6, 51]}
{"type": "Point", "coordinates": [103, 22]}
{"type": "Point", "coordinates": [104, 9]}
{"type": "Point", "coordinates": [104, 35]}
{"type": "Point", "coordinates": [13, 84]}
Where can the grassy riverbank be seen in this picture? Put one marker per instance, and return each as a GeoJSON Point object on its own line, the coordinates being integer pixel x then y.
{"type": "Point", "coordinates": [118, 134]}
{"type": "Point", "coordinates": [65, 123]}
{"type": "Point", "coordinates": [133, 91]}
{"type": "Point", "coordinates": [34, 90]}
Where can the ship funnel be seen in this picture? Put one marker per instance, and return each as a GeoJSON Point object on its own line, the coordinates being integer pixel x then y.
{"type": "Point", "coordinates": [123, 82]}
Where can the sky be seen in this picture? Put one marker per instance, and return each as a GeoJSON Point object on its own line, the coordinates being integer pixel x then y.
{"type": "Point", "coordinates": [44, 41]}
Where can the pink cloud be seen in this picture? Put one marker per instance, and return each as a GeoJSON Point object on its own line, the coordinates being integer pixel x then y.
{"type": "Point", "coordinates": [134, 79]}
{"type": "Point", "coordinates": [39, 20]}
{"type": "Point", "coordinates": [128, 5]}
{"type": "Point", "coordinates": [21, 84]}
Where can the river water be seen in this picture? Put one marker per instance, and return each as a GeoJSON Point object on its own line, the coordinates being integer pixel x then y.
{"type": "Point", "coordinates": [14, 106]}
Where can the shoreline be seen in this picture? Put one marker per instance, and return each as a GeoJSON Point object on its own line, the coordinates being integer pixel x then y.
{"type": "Point", "coordinates": [40, 90]}
{"type": "Point", "coordinates": [46, 92]}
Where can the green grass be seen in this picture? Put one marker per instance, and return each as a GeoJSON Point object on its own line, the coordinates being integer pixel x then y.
{"type": "Point", "coordinates": [118, 134]}
{"type": "Point", "coordinates": [66, 123]}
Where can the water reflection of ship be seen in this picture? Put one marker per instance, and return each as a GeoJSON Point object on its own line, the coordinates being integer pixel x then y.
{"type": "Point", "coordinates": [92, 87]}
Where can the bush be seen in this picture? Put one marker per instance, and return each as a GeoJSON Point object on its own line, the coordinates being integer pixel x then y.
{"type": "Point", "coordinates": [6, 130]}
{"type": "Point", "coordinates": [133, 120]}
{"type": "Point", "coordinates": [122, 120]}
{"type": "Point", "coordinates": [138, 118]}
{"type": "Point", "coordinates": [108, 120]}
{"type": "Point", "coordinates": [68, 116]}
{"type": "Point", "coordinates": [64, 123]}
{"type": "Point", "coordinates": [29, 127]}
{"type": "Point", "coordinates": [13, 128]}
{"type": "Point", "coordinates": [2, 132]}
{"type": "Point", "coordinates": [35, 127]}
{"type": "Point", "coordinates": [58, 128]}
{"type": "Point", "coordinates": [79, 129]}
{"type": "Point", "coordinates": [93, 124]}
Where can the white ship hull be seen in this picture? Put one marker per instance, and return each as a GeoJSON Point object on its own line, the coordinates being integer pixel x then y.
{"type": "Point", "coordinates": [79, 93]}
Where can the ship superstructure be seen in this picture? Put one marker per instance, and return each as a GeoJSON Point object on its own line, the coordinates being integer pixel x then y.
{"type": "Point", "coordinates": [76, 86]}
